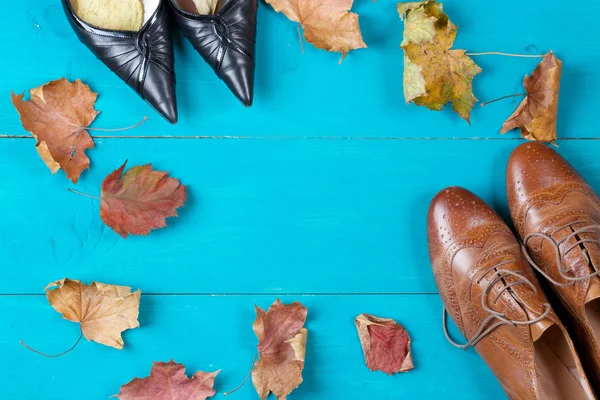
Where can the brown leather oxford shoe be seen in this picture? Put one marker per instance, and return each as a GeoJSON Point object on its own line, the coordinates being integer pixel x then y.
{"type": "Point", "coordinates": [557, 215]}
{"type": "Point", "coordinates": [492, 295]}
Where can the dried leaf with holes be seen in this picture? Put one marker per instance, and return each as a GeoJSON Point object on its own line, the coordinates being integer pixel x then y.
{"type": "Point", "coordinates": [536, 115]}
{"type": "Point", "coordinates": [282, 348]}
{"type": "Point", "coordinates": [103, 311]}
{"type": "Point", "coordinates": [385, 344]}
{"type": "Point", "coordinates": [434, 74]}
{"type": "Point", "coordinates": [57, 115]}
{"type": "Point", "coordinates": [327, 24]}
{"type": "Point", "coordinates": [140, 200]}
{"type": "Point", "coordinates": [120, 15]}
{"type": "Point", "coordinates": [168, 381]}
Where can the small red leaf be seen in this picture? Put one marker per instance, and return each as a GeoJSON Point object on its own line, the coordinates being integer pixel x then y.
{"type": "Point", "coordinates": [140, 200]}
{"type": "Point", "coordinates": [385, 344]}
{"type": "Point", "coordinates": [168, 381]}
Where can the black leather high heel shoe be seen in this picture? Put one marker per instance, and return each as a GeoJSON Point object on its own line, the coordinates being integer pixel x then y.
{"type": "Point", "coordinates": [226, 41]}
{"type": "Point", "coordinates": [143, 59]}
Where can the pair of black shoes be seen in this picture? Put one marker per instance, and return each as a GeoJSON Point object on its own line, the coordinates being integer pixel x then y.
{"type": "Point", "coordinates": [145, 60]}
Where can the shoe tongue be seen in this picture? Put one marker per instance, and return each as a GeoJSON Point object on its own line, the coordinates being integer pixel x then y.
{"type": "Point", "coordinates": [593, 292]}
{"type": "Point", "coordinates": [576, 256]}
{"type": "Point", "coordinates": [538, 328]}
{"type": "Point", "coordinates": [593, 252]}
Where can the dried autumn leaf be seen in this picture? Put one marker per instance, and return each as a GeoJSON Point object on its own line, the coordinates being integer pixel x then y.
{"type": "Point", "coordinates": [434, 74]}
{"type": "Point", "coordinates": [168, 381]}
{"type": "Point", "coordinates": [57, 115]}
{"type": "Point", "coordinates": [282, 348]}
{"type": "Point", "coordinates": [385, 344]}
{"type": "Point", "coordinates": [327, 24]}
{"type": "Point", "coordinates": [121, 15]}
{"type": "Point", "coordinates": [103, 311]}
{"type": "Point", "coordinates": [140, 200]}
{"type": "Point", "coordinates": [537, 113]}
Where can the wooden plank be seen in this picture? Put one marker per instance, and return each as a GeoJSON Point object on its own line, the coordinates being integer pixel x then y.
{"type": "Point", "coordinates": [264, 216]}
{"type": "Point", "coordinates": [211, 333]}
{"type": "Point", "coordinates": [310, 95]}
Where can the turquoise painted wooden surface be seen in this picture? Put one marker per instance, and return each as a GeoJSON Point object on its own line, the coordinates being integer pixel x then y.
{"type": "Point", "coordinates": [348, 214]}
{"type": "Point", "coordinates": [336, 223]}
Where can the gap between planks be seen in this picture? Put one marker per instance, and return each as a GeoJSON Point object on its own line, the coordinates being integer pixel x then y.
{"type": "Point", "coordinates": [182, 137]}
{"type": "Point", "coordinates": [257, 294]}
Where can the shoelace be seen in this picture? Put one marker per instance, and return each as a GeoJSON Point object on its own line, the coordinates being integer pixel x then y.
{"type": "Point", "coordinates": [483, 330]}
{"type": "Point", "coordinates": [560, 256]}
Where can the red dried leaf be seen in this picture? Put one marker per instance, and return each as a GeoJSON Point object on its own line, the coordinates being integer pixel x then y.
{"type": "Point", "coordinates": [57, 115]}
{"type": "Point", "coordinates": [282, 348]}
{"type": "Point", "coordinates": [385, 344]}
{"type": "Point", "coordinates": [168, 381]}
{"type": "Point", "coordinates": [140, 200]}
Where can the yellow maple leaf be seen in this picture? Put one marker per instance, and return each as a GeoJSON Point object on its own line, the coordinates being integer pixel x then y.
{"type": "Point", "coordinates": [103, 311]}
{"type": "Point", "coordinates": [434, 74]}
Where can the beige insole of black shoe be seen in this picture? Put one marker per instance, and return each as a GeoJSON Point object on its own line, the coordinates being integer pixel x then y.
{"type": "Point", "coordinates": [558, 376]}
{"type": "Point", "coordinates": [202, 7]}
{"type": "Point", "coordinates": [121, 15]}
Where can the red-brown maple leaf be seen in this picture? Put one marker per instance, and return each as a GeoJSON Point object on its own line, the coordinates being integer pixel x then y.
{"type": "Point", "coordinates": [140, 200]}
{"type": "Point", "coordinates": [282, 348]}
{"type": "Point", "coordinates": [168, 381]}
{"type": "Point", "coordinates": [385, 344]}
{"type": "Point", "coordinates": [57, 115]}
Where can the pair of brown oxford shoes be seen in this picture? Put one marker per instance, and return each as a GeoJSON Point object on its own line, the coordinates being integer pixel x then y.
{"type": "Point", "coordinates": [487, 282]}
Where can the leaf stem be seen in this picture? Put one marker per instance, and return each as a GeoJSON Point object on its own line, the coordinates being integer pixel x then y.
{"type": "Point", "coordinates": [118, 129]}
{"type": "Point", "coordinates": [300, 37]}
{"type": "Point", "coordinates": [497, 53]}
{"type": "Point", "coordinates": [54, 355]}
{"type": "Point", "coordinates": [245, 380]}
{"type": "Point", "coordinates": [82, 194]}
{"type": "Point", "coordinates": [502, 98]}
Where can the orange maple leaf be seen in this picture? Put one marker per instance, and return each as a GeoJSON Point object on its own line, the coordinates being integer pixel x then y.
{"type": "Point", "coordinates": [327, 24]}
{"type": "Point", "coordinates": [57, 115]}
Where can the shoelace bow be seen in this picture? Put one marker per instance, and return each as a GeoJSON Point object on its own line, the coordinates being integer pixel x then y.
{"type": "Point", "coordinates": [498, 276]}
{"type": "Point", "coordinates": [560, 256]}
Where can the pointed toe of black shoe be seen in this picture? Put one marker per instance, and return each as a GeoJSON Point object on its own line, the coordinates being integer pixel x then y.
{"type": "Point", "coordinates": [168, 109]}
{"type": "Point", "coordinates": [143, 59]}
{"type": "Point", "coordinates": [159, 92]}
{"type": "Point", "coordinates": [238, 74]}
{"type": "Point", "coordinates": [226, 41]}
